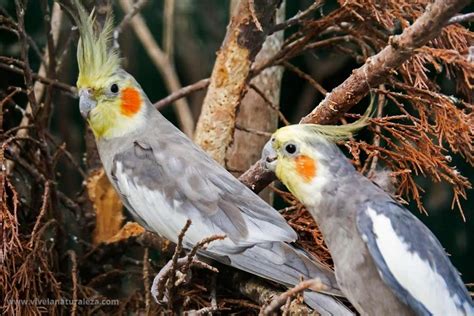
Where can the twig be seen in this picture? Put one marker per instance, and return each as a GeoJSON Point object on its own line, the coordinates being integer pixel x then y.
{"type": "Point", "coordinates": [313, 284]}
{"type": "Point", "coordinates": [40, 216]}
{"type": "Point", "coordinates": [137, 6]}
{"type": "Point", "coordinates": [251, 4]}
{"type": "Point", "coordinates": [252, 131]}
{"type": "Point", "coordinates": [163, 64]}
{"type": "Point", "coordinates": [200, 245]}
{"type": "Point", "coordinates": [373, 73]}
{"type": "Point", "coordinates": [7, 23]}
{"type": "Point", "coordinates": [269, 103]}
{"type": "Point", "coordinates": [52, 24]}
{"type": "Point", "coordinates": [376, 142]}
{"type": "Point", "coordinates": [297, 19]}
{"type": "Point", "coordinates": [184, 91]}
{"type": "Point", "coordinates": [286, 308]}
{"type": "Point", "coordinates": [146, 281]}
{"type": "Point", "coordinates": [461, 18]}
{"type": "Point", "coordinates": [20, 12]}
{"type": "Point", "coordinates": [61, 85]}
{"type": "Point", "coordinates": [303, 75]}
{"type": "Point", "coordinates": [174, 260]}
{"type": "Point", "coordinates": [166, 278]}
{"type": "Point", "coordinates": [259, 291]}
{"type": "Point", "coordinates": [214, 291]}
{"type": "Point", "coordinates": [73, 256]}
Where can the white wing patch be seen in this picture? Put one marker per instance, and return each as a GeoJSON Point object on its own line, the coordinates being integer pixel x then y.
{"type": "Point", "coordinates": [411, 271]}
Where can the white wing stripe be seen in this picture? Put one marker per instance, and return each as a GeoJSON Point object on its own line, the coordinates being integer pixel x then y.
{"type": "Point", "coordinates": [410, 270]}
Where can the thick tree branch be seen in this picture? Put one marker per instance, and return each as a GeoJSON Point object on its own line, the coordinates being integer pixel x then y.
{"type": "Point", "coordinates": [374, 72]}
{"type": "Point", "coordinates": [378, 68]}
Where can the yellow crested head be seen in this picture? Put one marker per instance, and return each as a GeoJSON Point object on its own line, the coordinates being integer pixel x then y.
{"type": "Point", "coordinates": [96, 59]}
{"type": "Point", "coordinates": [109, 98]}
{"type": "Point", "coordinates": [304, 156]}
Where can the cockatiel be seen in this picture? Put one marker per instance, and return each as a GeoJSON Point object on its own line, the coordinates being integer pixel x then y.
{"type": "Point", "coordinates": [164, 179]}
{"type": "Point", "coordinates": [387, 262]}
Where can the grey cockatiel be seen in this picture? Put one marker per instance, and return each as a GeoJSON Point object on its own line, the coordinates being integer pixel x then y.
{"type": "Point", "coordinates": [387, 262]}
{"type": "Point", "coordinates": [164, 179]}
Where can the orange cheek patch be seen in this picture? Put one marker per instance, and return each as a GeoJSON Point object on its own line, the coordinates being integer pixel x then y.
{"type": "Point", "coordinates": [305, 167]}
{"type": "Point", "coordinates": [131, 101]}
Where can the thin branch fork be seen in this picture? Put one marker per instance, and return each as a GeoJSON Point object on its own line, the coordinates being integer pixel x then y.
{"type": "Point", "coordinates": [374, 72]}
{"type": "Point", "coordinates": [137, 6]}
{"type": "Point", "coordinates": [298, 18]}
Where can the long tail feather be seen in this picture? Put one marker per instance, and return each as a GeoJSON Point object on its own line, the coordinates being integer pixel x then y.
{"type": "Point", "coordinates": [284, 264]}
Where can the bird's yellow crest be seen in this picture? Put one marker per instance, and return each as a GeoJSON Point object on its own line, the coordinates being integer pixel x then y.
{"type": "Point", "coordinates": [95, 57]}
{"type": "Point", "coordinates": [301, 151]}
{"type": "Point", "coordinates": [332, 133]}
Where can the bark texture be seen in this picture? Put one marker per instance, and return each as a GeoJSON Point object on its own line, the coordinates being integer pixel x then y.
{"type": "Point", "coordinates": [254, 113]}
{"type": "Point", "coordinates": [230, 75]}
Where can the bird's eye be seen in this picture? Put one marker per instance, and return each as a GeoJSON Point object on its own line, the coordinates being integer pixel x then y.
{"type": "Point", "coordinates": [114, 88]}
{"type": "Point", "coordinates": [290, 148]}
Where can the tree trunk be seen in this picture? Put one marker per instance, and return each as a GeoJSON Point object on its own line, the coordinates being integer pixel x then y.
{"type": "Point", "coordinates": [244, 39]}
{"type": "Point", "coordinates": [254, 113]}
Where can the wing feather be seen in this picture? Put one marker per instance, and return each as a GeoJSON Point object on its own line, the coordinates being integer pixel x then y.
{"type": "Point", "coordinates": [411, 261]}
{"type": "Point", "coordinates": [196, 187]}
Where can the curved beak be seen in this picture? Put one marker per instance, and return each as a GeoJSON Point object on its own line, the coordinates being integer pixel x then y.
{"type": "Point", "coordinates": [269, 156]}
{"type": "Point", "coordinates": [86, 103]}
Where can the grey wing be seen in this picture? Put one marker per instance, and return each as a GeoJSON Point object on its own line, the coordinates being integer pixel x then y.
{"type": "Point", "coordinates": [411, 261]}
{"type": "Point", "coordinates": [191, 185]}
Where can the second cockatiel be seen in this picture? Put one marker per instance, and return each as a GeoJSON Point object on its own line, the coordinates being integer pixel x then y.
{"type": "Point", "coordinates": [164, 179]}
{"type": "Point", "coordinates": [387, 262]}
